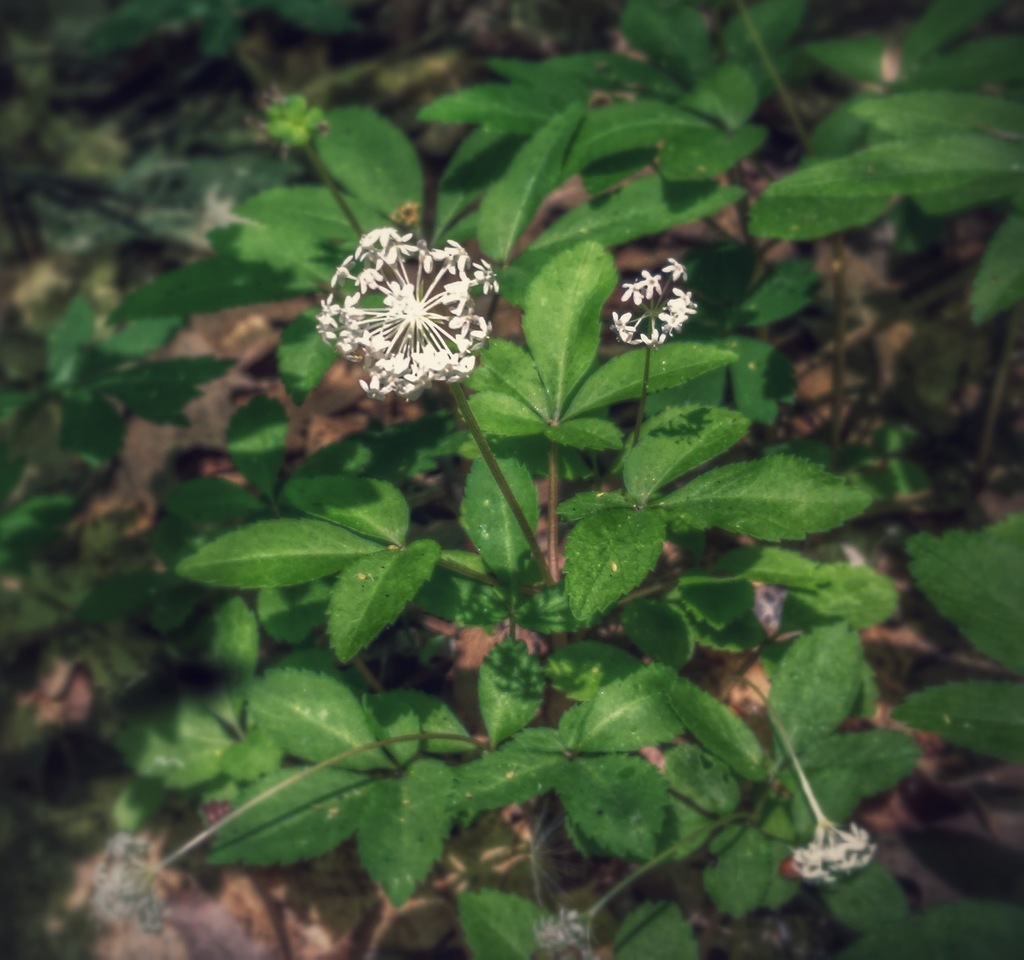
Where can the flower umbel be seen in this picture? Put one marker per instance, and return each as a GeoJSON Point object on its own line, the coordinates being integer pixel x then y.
{"type": "Point", "coordinates": [834, 852]}
{"type": "Point", "coordinates": [565, 936]}
{"type": "Point", "coordinates": [662, 315]}
{"type": "Point", "coordinates": [122, 887]}
{"type": "Point", "coordinates": [407, 312]}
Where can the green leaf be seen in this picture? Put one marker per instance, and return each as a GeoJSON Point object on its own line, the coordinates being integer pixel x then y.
{"type": "Point", "coordinates": [501, 415]}
{"type": "Point", "coordinates": [207, 286]}
{"type": "Point", "coordinates": [656, 931]}
{"type": "Point", "coordinates": [312, 716]}
{"type": "Point", "coordinates": [942, 22]}
{"type": "Point", "coordinates": [973, 579]}
{"type": "Point", "coordinates": [289, 614]}
{"type": "Point", "coordinates": [866, 900]}
{"type": "Point", "coordinates": [137, 803]}
{"type": "Point", "coordinates": [674, 37]}
{"type": "Point", "coordinates": [761, 377]}
{"type": "Point", "coordinates": [607, 555]}
{"type": "Point", "coordinates": [624, 126]}
{"type": "Point", "coordinates": [506, 368]}
{"type": "Point", "coordinates": [71, 333]}
{"type": "Point", "coordinates": [940, 111]}
{"type": "Point", "coordinates": [586, 433]}
{"type": "Point", "coordinates": [302, 356]}
{"type": "Point", "coordinates": [859, 595]}
{"type": "Point", "coordinates": [274, 553]}
{"type": "Point", "coordinates": [256, 438]}
{"type": "Point", "coordinates": [181, 745]}
{"type": "Point", "coordinates": [719, 729]}
{"type": "Point", "coordinates": [502, 107]}
{"type": "Point", "coordinates": [371, 158]}
{"type": "Point", "coordinates": [714, 601]}
{"type": "Point", "coordinates": [517, 771]}
{"type": "Point", "coordinates": [986, 716]}
{"type": "Point", "coordinates": [675, 442]}
{"type": "Point", "coordinates": [254, 757]}
{"type": "Point", "coordinates": [785, 291]}
{"type": "Point", "coordinates": [730, 94]}
{"type": "Point", "coordinates": [856, 57]}
{"type": "Point", "coordinates": [371, 593]}
{"type": "Point", "coordinates": [509, 205]}
{"type": "Point", "coordinates": [702, 778]}
{"type": "Point", "coordinates": [235, 639]}
{"type": "Point", "coordinates": [479, 160]}
{"type": "Point", "coordinates": [582, 669]}
{"type": "Point", "coordinates": [955, 931]}
{"type": "Point", "coordinates": [91, 427]}
{"type": "Point", "coordinates": [489, 521]}
{"type": "Point", "coordinates": [622, 378]}
{"type": "Point", "coordinates": [212, 500]}
{"type": "Point", "coordinates": [511, 687]}
{"type": "Point", "coordinates": [561, 318]}
{"type": "Point", "coordinates": [498, 926]}
{"type": "Point", "coordinates": [591, 501]}
{"type": "Point", "coordinates": [11, 401]}
{"type": "Point", "coordinates": [403, 827]}
{"type": "Point", "coordinates": [985, 62]}
{"type": "Point", "coordinates": [303, 821]}
{"type": "Point", "coordinates": [370, 507]}
{"type": "Point", "coordinates": [999, 283]}
{"type": "Point", "coordinates": [399, 712]}
{"type": "Point", "coordinates": [158, 390]}
{"type": "Point", "coordinates": [774, 24]}
{"type": "Point", "coordinates": [624, 715]}
{"type": "Point", "coordinates": [775, 498]}
{"type": "Point", "coordinates": [659, 630]}
{"type": "Point", "coordinates": [816, 684]}
{"type": "Point", "coordinates": [799, 218]}
{"type": "Point", "coordinates": [738, 882]}
{"type": "Point", "coordinates": [704, 153]}
{"type": "Point", "coordinates": [617, 803]}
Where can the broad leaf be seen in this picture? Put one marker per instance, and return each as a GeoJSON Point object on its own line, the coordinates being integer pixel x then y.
{"type": "Point", "coordinates": [501, 415]}
{"type": "Point", "coordinates": [234, 639]}
{"type": "Point", "coordinates": [999, 283]}
{"type": "Point", "coordinates": [674, 37]}
{"type": "Point", "coordinates": [510, 689]}
{"type": "Point", "coordinates": [212, 500]}
{"type": "Point", "coordinates": [502, 107]}
{"type": "Point", "coordinates": [867, 900]}
{"type": "Point", "coordinates": [656, 931]}
{"type": "Point", "coordinates": [775, 498]}
{"type": "Point", "coordinates": [702, 778]}
{"type": "Point", "coordinates": [159, 390]}
{"type": "Point", "coordinates": [940, 111]}
{"type": "Point", "coordinates": [256, 438]}
{"type": "Point", "coordinates": [289, 614]}
{"type": "Point", "coordinates": [403, 712]}
{"type": "Point", "coordinates": [479, 160]}
{"type": "Point", "coordinates": [371, 592]}
{"type": "Point", "coordinates": [738, 881]}
{"type": "Point", "coordinates": [65, 342]}
{"type": "Point", "coordinates": [498, 926]}
{"type": "Point", "coordinates": [660, 630]}
{"type": "Point", "coordinates": [858, 57]}
{"type": "Point", "coordinates": [700, 154]}
{"type": "Point", "coordinates": [581, 669]}
{"type": "Point", "coordinates": [506, 368]}
{"type": "Point", "coordinates": [302, 356]}
{"type": "Point", "coordinates": [370, 507]}
{"type": "Point", "coordinates": [942, 22]}
{"type": "Point", "coordinates": [586, 433]}
{"type": "Point", "coordinates": [90, 426]}
{"type": "Point", "coordinates": [274, 553]}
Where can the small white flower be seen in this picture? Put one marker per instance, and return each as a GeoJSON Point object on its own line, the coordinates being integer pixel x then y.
{"type": "Point", "coordinates": [122, 886]}
{"type": "Point", "coordinates": [419, 321]}
{"type": "Point", "coordinates": [567, 931]}
{"type": "Point", "coordinates": [660, 318]}
{"type": "Point", "coordinates": [833, 852]}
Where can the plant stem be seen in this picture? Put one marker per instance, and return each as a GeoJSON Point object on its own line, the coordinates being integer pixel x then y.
{"type": "Point", "coordinates": [499, 478]}
{"type": "Point", "coordinates": [328, 181]}
{"type": "Point", "coordinates": [643, 397]}
{"type": "Point", "coordinates": [204, 835]}
{"type": "Point", "coordinates": [553, 510]}
{"type": "Point", "coordinates": [995, 400]}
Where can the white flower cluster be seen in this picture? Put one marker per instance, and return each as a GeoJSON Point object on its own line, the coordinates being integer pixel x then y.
{"type": "Point", "coordinates": [833, 853]}
{"type": "Point", "coordinates": [660, 317]}
{"type": "Point", "coordinates": [566, 932]}
{"type": "Point", "coordinates": [122, 887]}
{"type": "Point", "coordinates": [407, 312]}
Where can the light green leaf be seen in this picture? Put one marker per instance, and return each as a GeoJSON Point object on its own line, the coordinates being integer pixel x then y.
{"type": "Point", "coordinates": [675, 442]}
{"type": "Point", "coordinates": [502, 107]}
{"type": "Point", "coordinates": [256, 438]}
{"type": "Point", "coordinates": [254, 757]}
{"type": "Point", "coordinates": [235, 639]}
{"type": "Point", "coordinates": [607, 555]}
{"type": "Point", "coordinates": [372, 592]}
{"type": "Point", "coordinates": [403, 827]}
{"type": "Point", "coordinates": [510, 689]}
{"type": "Point", "coordinates": [622, 378]}
{"type": "Point", "coordinates": [303, 821]}
{"type": "Point", "coordinates": [738, 882]}
{"type": "Point", "coordinates": [370, 507]}
{"type": "Point", "coordinates": [705, 153]}
{"type": "Point", "coordinates": [274, 553]}
{"type": "Point", "coordinates": [506, 368]}
{"type": "Point", "coordinates": [816, 684]}
{"type": "Point", "coordinates": [702, 778]}
{"type": "Point", "coordinates": [586, 433]}
{"type": "Point", "coordinates": [498, 926]}
{"type": "Point", "coordinates": [973, 578]}
{"type": "Point", "coordinates": [581, 669]}
{"type": "Point", "coordinates": [986, 716]}
{"type": "Point", "coordinates": [212, 500]}
{"type": "Point", "coordinates": [73, 331]}
{"type": "Point", "coordinates": [866, 900]}
{"type": "Point", "coordinates": [999, 283]}
{"type": "Point", "coordinates": [489, 521]}
{"type": "Point", "coordinates": [955, 931]}
{"type": "Point", "coordinates": [940, 111]}
{"type": "Point", "coordinates": [624, 715]}
{"type": "Point", "coordinates": [181, 745]}
{"type": "Point", "coordinates": [509, 205]}
{"type": "Point", "coordinates": [798, 218]}
{"type": "Point", "coordinates": [302, 356]}
{"type": "Point", "coordinates": [656, 931]}
{"type": "Point", "coordinates": [775, 498]}
{"type": "Point", "coordinates": [371, 158]}
{"type": "Point", "coordinates": [561, 317]}
{"type": "Point", "coordinates": [857, 57]}
{"type": "Point", "coordinates": [289, 614]}
{"type": "Point", "coordinates": [659, 629]}
{"type": "Point", "coordinates": [719, 729]}
{"type": "Point", "coordinates": [502, 415]}
{"type": "Point", "coordinates": [617, 803]}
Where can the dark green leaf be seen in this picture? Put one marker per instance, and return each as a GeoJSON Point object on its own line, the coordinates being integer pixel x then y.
{"type": "Point", "coordinates": [761, 377]}
{"type": "Point", "coordinates": [159, 390]}
{"type": "Point", "coordinates": [510, 689]}
{"type": "Point", "coordinates": [90, 426]}
{"type": "Point", "coordinates": [502, 107]}
{"type": "Point", "coordinates": [999, 283]}
{"type": "Point", "coordinates": [704, 153]}
{"type": "Point", "coordinates": [582, 669]}
{"type": "Point", "coordinates": [498, 926]}
{"type": "Point", "coordinates": [656, 931]}
{"type": "Point", "coordinates": [942, 22]}
{"type": "Point", "coordinates": [255, 440]}
{"type": "Point", "coordinates": [702, 778]}
{"type": "Point", "coordinates": [856, 57]}
{"type": "Point", "coordinates": [738, 882]}
{"type": "Point", "coordinates": [785, 291]}
{"type": "Point", "coordinates": [714, 601]}
{"type": "Point", "coordinates": [586, 433]}
{"type": "Point", "coordinates": [660, 630]}
{"type": "Point", "coordinates": [502, 415]}
{"type": "Point", "coordinates": [235, 639]}
{"type": "Point", "coordinates": [674, 36]}
{"type": "Point", "coordinates": [940, 111]}
{"type": "Point", "coordinates": [289, 614]}
{"type": "Point", "coordinates": [65, 342]}
{"type": "Point", "coordinates": [730, 94]}
{"type": "Point", "coordinates": [254, 757]}
{"type": "Point", "coordinates": [370, 507]}
{"type": "Point", "coordinates": [302, 356]}
{"type": "Point", "coordinates": [867, 900]}
{"type": "Point", "coordinates": [479, 160]}
{"type": "Point", "coordinates": [402, 712]}
{"type": "Point", "coordinates": [506, 368]}
{"type": "Point", "coordinates": [212, 500]}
